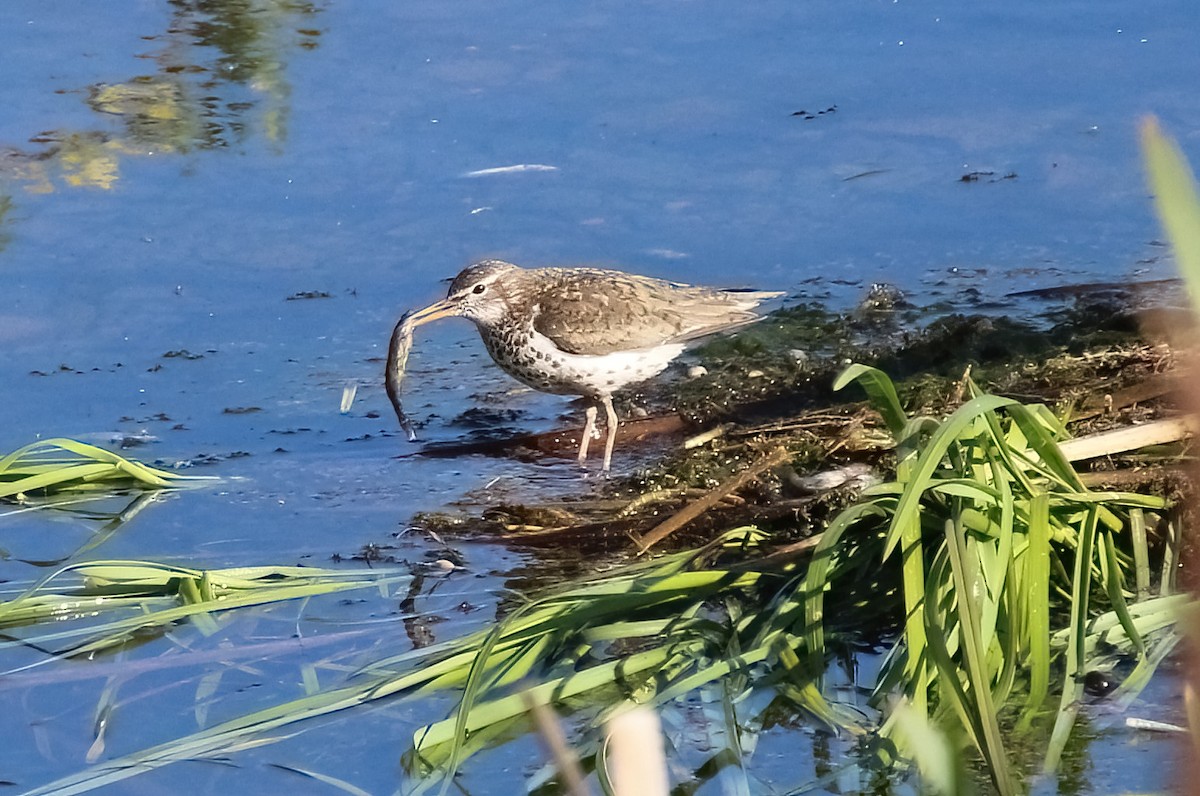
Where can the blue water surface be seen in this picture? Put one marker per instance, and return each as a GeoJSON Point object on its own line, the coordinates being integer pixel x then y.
{"type": "Point", "coordinates": [173, 172]}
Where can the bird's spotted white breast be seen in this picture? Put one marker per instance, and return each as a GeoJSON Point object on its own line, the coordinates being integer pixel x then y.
{"type": "Point", "coordinates": [534, 359]}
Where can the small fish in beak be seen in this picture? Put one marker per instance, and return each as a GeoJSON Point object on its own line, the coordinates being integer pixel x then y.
{"type": "Point", "coordinates": [398, 350]}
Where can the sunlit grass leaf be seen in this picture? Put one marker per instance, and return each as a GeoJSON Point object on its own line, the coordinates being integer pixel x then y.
{"type": "Point", "coordinates": [982, 710]}
{"type": "Point", "coordinates": [938, 759]}
{"type": "Point", "coordinates": [1034, 602]}
{"type": "Point", "coordinates": [1175, 199]}
{"type": "Point", "coordinates": [881, 392]}
{"type": "Point", "coordinates": [64, 464]}
{"type": "Point", "coordinates": [63, 608]}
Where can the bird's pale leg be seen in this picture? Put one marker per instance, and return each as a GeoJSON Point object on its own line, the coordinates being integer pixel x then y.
{"type": "Point", "coordinates": [610, 437]}
{"type": "Point", "coordinates": [589, 429]}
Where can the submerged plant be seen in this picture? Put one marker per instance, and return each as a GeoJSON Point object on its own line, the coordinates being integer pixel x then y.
{"type": "Point", "coordinates": [60, 611]}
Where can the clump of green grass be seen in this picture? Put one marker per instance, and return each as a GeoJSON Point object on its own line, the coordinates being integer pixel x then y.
{"type": "Point", "coordinates": [622, 618]}
{"type": "Point", "coordinates": [62, 465]}
{"type": "Point", "coordinates": [1008, 563]}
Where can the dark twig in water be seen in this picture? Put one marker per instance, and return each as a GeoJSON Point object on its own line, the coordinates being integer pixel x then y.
{"type": "Point", "coordinates": [397, 360]}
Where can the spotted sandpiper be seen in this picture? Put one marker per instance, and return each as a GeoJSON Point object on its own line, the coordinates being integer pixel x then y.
{"type": "Point", "coordinates": [586, 331]}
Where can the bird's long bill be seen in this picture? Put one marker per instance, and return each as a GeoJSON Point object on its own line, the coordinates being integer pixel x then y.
{"type": "Point", "coordinates": [438, 309]}
{"type": "Point", "coordinates": [397, 359]}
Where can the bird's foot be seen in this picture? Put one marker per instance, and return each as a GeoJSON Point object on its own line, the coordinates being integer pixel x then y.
{"type": "Point", "coordinates": [587, 474]}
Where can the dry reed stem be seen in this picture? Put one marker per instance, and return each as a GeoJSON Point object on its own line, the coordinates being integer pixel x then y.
{"type": "Point", "coordinates": [635, 749]}
{"type": "Point", "coordinates": [1130, 438]}
{"type": "Point", "coordinates": [550, 731]}
{"type": "Point", "coordinates": [693, 510]}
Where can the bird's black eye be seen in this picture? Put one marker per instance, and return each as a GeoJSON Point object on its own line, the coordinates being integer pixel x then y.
{"type": "Point", "coordinates": [479, 288]}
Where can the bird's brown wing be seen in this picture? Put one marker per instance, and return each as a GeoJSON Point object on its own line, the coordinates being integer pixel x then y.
{"type": "Point", "coordinates": [596, 312]}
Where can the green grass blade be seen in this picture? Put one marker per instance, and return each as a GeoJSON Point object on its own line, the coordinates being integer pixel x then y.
{"type": "Point", "coordinates": [159, 595]}
{"type": "Point", "coordinates": [62, 463]}
{"type": "Point", "coordinates": [965, 571]}
{"type": "Point", "coordinates": [1175, 199]}
{"type": "Point", "coordinates": [916, 636]}
{"type": "Point", "coordinates": [1114, 586]}
{"type": "Point", "coordinates": [1141, 553]}
{"type": "Point", "coordinates": [1042, 437]}
{"type": "Point", "coordinates": [1036, 589]}
{"type": "Point", "coordinates": [810, 596]}
{"type": "Point", "coordinates": [951, 696]}
{"type": "Point", "coordinates": [931, 459]}
{"type": "Point", "coordinates": [881, 392]}
{"type": "Point", "coordinates": [1076, 644]}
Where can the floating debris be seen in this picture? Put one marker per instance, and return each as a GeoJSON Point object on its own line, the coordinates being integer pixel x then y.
{"type": "Point", "coordinates": [348, 392]}
{"type": "Point", "coordinates": [810, 115]}
{"type": "Point", "coordinates": [181, 353]}
{"type": "Point", "coordinates": [514, 169]}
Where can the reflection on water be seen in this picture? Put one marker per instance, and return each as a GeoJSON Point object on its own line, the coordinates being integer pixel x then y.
{"type": "Point", "coordinates": [155, 113]}
{"type": "Point", "coordinates": [219, 80]}
{"type": "Point", "coordinates": [108, 513]}
{"type": "Point", "coordinates": [6, 205]}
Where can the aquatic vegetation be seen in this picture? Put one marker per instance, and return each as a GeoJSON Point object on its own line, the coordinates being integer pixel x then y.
{"type": "Point", "coordinates": [1176, 201]}
{"type": "Point", "coordinates": [60, 465]}
{"type": "Point", "coordinates": [993, 527]}
{"type": "Point", "coordinates": [1006, 577]}
{"type": "Point", "coordinates": [1008, 580]}
{"type": "Point", "coordinates": [60, 611]}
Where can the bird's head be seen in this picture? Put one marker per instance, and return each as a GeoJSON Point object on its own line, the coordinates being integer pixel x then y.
{"type": "Point", "coordinates": [478, 293]}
